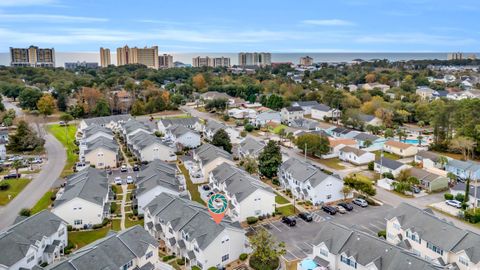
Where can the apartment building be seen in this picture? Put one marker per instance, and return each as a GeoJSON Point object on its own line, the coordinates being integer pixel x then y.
{"type": "Point", "coordinates": [78, 64]}
{"type": "Point", "coordinates": [105, 59]}
{"type": "Point", "coordinates": [260, 59]}
{"type": "Point", "coordinates": [306, 61]}
{"type": "Point", "coordinates": [165, 61]}
{"type": "Point", "coordinates": [145, 56]}
{"type": "Point", "coordinates": [32, 56]}
{"type": "Point", "coordinates": [210, 61]}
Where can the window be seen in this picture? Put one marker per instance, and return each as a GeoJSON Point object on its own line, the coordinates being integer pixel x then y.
{"type": "Point", "coordinates": [61, 232]}
{"type": "Point", "coordinates": [348, 261]}
{"type": "Point", "coordinates": [257, 212]}
{"type": "Point", "coordinates": [196, 249]}
{"type": "Point", "coordinates": [413, 237]}
{"type": "Point", "coordinates": [329, 197]}
{"type": "Point", "coordinates": [128, 265]}
{"type": "Point", "coordinates": [225, 257]}
{"type": "Point", "coordinates": [149, 255]}
{"type": "Point", "coordinates": [31, 259]}
{"type": "Point", "coordinates": [396, 226]}
{"type": "Point", "coordinates": [77, 222]}
{"type": "Point", "coordinates": [435, 248]}
{"type": "Point", "coordinates": [463, 260]}
{"type": "Point", "coordinates": [324, 252]}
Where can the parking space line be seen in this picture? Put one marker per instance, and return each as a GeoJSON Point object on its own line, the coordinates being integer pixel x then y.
{"type": "Point", "coordinates": [376, 226]}
{"type": "Point", "coordinates": [275, 226]}
{"type": "Point", "coordinates": [368, 229]}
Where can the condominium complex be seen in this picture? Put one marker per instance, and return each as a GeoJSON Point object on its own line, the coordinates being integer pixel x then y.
{"type": "Point", "coordinates": [145, 56]}
{"type": "Point", "coordinates": [165, 61]}
{"type": "Point", "coordinates": [105, 59]}
{"type": "Point", "coordinates": [306, 61]}
{"type": "Point", "coordinates": [455, 56]}
{"type": "Point", "coordinates": [210, 61]}
{"type": "Point", "coordinates": [78, 64]}
{"type": "Point", "coordinates": [32, 57]}
{"type": "Point", "coordinates": [254, 59]}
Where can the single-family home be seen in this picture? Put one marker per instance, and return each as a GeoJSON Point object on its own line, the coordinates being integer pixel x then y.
{"type": "Point", "coordinates": [430, 181]}
{"type": "Point", "coordinates": [213, 126]}
{"type": "Point", "coordinates": [291, 113]}
{"type": "Point", "coordinates": [464, 169]}
{"type": "Point", "coordinates": [250, 147]}
{"type": "Point", "coordinates": [336, 145]}
{"type": "Point", "coordinates": [433, 238]}
{"type": "Point", "coordinates": [133, 248]}
{"type": "Point", "coordinates": [247, 195]}
{"type": "Point", "coordinates": [83, 202]}
{"type": "Point", "coordinates": [425, 92]}
{"type": "Point", "coordinates": [187, 229]}
{"type": "Point", "coordinates": [193, 123]}
{"type": "Point", "coordinates": [101, 153]}
{"type": "Point", "coordinates": [308, 182]}
{"type": "Point", "coordinates": [267, 117]}
{"type": "Point", "coordinates": [155, 178]}
{"type": "Point", "coordinates": [473, 193]}
{"type": "Point", "coordinates": [370, 119]}
{"type": "Point", "coordinates": [400, 149]}
{"type": "Point", "coordinates": [306, 106]}
{"type": "Point", "coordinates": [112, 122]}
{"type": "Point", "coordinates": [386, 165]}
{"type": "Point", "coordinates": [304, 123]}
{"type": "Point", "coordinates": [365, 140]}
{"type": "Point", "coordinates": [32, 241]}
{"type": "Point", "coordinates": [182, 136]}
{"type": "Point", "coordinates": [207, 158]}
{"type": "Point", "coordinates": [355, 156]}
{"type": "Point", "coordinates": [242, 113]}
{"type": "Point", "coordinates": [341, 132]}
{"type": "Point", "coordinates": [148, 147]}
{"type": "Point", "coordinates": [430, 160]}
{"type": "Point", "coordinates": [322, 111]}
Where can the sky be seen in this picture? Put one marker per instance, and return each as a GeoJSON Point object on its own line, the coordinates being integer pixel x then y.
{"type": "Point", "coordinates": [243, 25]}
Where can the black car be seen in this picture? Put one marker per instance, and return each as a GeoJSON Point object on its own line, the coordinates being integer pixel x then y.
{"type": "Point", "coordinates": [416, 189]}
{"type": "Point", "coordinates": [290, 221]}
{"type": "Point", "coordinates": [136, 168]}
{"type": "Point", "coordinates": [347, 206]}
{"type": "Point", "coordinates": [306, 216]}
{"type": "Point", "coordinates": [329, 209]}
{"type": "Point", "coordinates": [12, 176]}
{"type": "Point", "coordinates": [206, 187]}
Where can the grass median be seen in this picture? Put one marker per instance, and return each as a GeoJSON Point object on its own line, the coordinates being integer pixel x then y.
{"type": "Point", "coordinates": [66, 135]}
{"type": "Point", "coordinates": [15, 187]}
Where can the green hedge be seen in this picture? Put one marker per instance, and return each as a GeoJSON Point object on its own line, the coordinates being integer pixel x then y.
{"type": "Point", "coordinates": [252, 220]}
{"type": "Point", "coordinates": [257, 265]}
{"type": "Point", "coordinates": [243, 256]}
{"type": "Point", "coordinates": [448, 196]}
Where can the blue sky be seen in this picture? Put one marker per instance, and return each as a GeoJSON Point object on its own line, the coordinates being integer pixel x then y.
{"type": "Point", "coordinates": [246, 25]}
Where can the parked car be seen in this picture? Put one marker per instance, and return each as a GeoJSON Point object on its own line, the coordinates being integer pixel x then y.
{"type": "Point", "coordinates": [306, 216]}
{"type": "Point", "coordinates": [416, 189]}
{"type": "Point", "coordinates": [347, 206]}
{"type": "Point", "coordinates": [290, 221]}
{"type": "Point", "coordinates": [329, 209]}
{"type": "Point", "coordinates": [36, 160]}
{"type": "Point", "coordinates": [129, 179]}
{"type": "Point", "coordinates": [62, 123]}
{"type": "Point", "coordinates": [340, 209]}
{"type": "Point", "coordinates": [109, 171]}
{"type": "Point", "coordinates": [80, 166]}
{"type": "Point", "coordinates": [360, 202]}
{"type": "Point", "coordinates": [124, 168]}
{"type": "Point", "coordinates": [136, 168]}
{"type": "Point", "coordinates": [454, 203]}
{"type": "Point", "coordinates": [14, 158]}
{"type": "Point", "coordinates": [118, 180]}
{"type": "Point", "coordinates": [206, 187]}
{"type": "Point", "coordinates": [12, 176]}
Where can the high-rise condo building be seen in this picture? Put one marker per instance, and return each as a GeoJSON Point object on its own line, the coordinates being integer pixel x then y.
{"type": "Point", "coordinates": [32, 57]}
{"type": "Point", "coordinates": [145, 56]}
{"type": "Point", "coordinates": [306, 61]}
{"type": "Point", "coordinates": [165, 61]}
{"type": "Point", "coordinates": [105, 59]}
{"type": "Point", "coordinates": [455, 56]}
{"type": "Point", "coordinates": [254, 59]}
{"type": "Point", "coordinates": [221, 62]}
{"type": "Point", "coordinates": [210, 61]}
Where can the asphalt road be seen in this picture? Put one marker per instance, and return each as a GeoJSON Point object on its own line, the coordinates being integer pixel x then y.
{"type": "Point", "coordinates": [51, 170]}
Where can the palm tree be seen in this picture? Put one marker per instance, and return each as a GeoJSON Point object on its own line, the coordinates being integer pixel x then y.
{"type": "Point", "coordinates": [17, 164]}
{"type": "Point", "coordinates": [420, 138]}
{"type": "Point", "coordinates": [442, 160]}
{"type": "Point", "coordinates": [401, 134]}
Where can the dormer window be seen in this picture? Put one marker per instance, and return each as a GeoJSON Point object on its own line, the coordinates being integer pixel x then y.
{"type": "Point", "coordinates": [348, 261]}
{"type": "Point", "coordinates": [413, 237]}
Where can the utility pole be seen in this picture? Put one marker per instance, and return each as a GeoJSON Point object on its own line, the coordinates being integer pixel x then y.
{"type": "Point", "coordinates": [305, 152]}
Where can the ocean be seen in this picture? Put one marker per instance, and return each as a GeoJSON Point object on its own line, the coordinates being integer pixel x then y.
{"type": "Point", "coordinates": [62, 57]}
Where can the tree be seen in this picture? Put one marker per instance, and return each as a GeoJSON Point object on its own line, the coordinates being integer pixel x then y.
{"type": "Point", "coordinates": [101, 108]}
{"type": "Point", "coordinates": [266, 251]}
{"type": "Point", "coordinates": [219, 104]}
{"type": "Point", "coordinates": [66, 117]}
{"type": "Point", "coordinates": [388, 133]}
{"type": "Point", "coordinates": [361, 185]}
{"type": "Point", "coordinates": [25, 139]}
{"type": "Point", "coordinates": [199, 81]}
{"type": "Point", "coordinates": [270, 159]}
{"type": "Point", "coordinates": [464, 145]}
{"type": "Point", "coordinates": [314, 144]}
{"type": "Point", "coordinates": [88, 97]}
{"type": "Point", "coordinates": [138, 108]}
{"type": "Point", "coordinates": [370, 78]}
{"type": "Point", "coordinates": [46, 105]}
{"type": "Point", "coordinates": [274, 102]}
{"type": "Point", "coordinates": [346, 191]}
{"type": "Point", "coordinates": [250, 165]}
{"type": "Point", "coordinates": [29, 97]}
{"type": "Point", "coordinates": [221, 139]}
{"type": "Point", "coordinates": [17, 164]}
{"type": "Point", "coordinates": [442, 160]}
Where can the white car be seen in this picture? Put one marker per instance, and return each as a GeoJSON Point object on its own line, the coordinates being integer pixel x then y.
{"type": "Point", "coordinates": [360, 202]}
{"type": "Point", "coordinates": [124, 168]}
{"type": "Point", "coordinates": [118, 180]}
{"type": "Point", "coordinates": [129, 179]}
{"type": "Point", "coordinates": [454, 203]}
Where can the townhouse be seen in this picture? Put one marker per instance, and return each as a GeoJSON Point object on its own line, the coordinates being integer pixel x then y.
{"type": "Point", "coordinates": [182, 136]}
{"type": "Point", "coordinates": [94, 131]}
{"type": "Point", "coordinates": [306, 106]}
{"type": "Point", "coordinates": [322, 112]}
{"type": "Point", "coordinates": [84, 201]}
{"type": "Point", "coordinates": [101, 153]}
{"type": "Point", "coordinates": [289, 114]}
{"type": "Point", "coordinates": [192, 123]}
{"type": "Point", "coordinates": [267, 117]}
{"type": "Point", "coordinates": [213, 126]}
{"type": "Point", "coordinates": [133, 127]}
{"type": "Point", "coordinates": [247, 196]}
{"type": "Point", "coordinates": [400, 149]}
{"type": "Point", "coordinates": [187, 229]}
{"type": "Point", "coordinates": [112, 122]}
{"type": "Point", "coordinates": [342, 248]}
{"type": "Point", "coordinates": [430, 237]}
{"type": "Point", "coordinates": [355, 156]}
{"type": "Point", "coordinates": [148, 147]}
{"type": "Point", "coordinates": [386, 165]}
{"type": "Point", "coordinates": [337, 144]}
{"type": "Point", "coordinates": [250, 147]}
{"type": "Point", "coordinates": [430, 181]}
{"type": "Point", "coordinates": [155, 178]}
{"type": "Point", "coordinates": [32, 241]}
{"type": "Point", "coordinates": [308, 182]}
{"type": "Point", "coordinates": [464, 169]}
{"type": "Point", "coordinates": [133, 248]}
{"type": "Point", "coordinates": [206, 158]}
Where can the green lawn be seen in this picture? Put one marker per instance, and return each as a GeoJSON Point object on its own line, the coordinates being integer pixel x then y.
{"type": "Point", "coordinates": [44, 202]}
{"type": "Point", "coordinates": [117, 189]}
{"type": "Point", "coordinates": [280, 200]}
{"type": "Point", "coordinates": [278, 128]}
{"type": "Point", "coordinates": [83, 238]}
{"type": "Point", "coordinates": [192, 188]}
{"type": "Point", "coordinates": [130, 223]}
{"type": "Point", "coordinates": [286, 210]}
{"type": "Point", "coordinates": [16, 186]}
{"type": "Point", "coordinates": [116, 224]}
{"type": "Point", "coordinates": [66, 135]}
{"type": "Point", "coordinates": [331, 163]}
{"type": "Point", "coordinates": [385, 154]}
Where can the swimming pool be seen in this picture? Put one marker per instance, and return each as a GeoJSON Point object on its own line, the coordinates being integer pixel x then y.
{"type": "Point", "coordinates": [414, 141]}
{"type": "Point", "coordinates": [308, 264]}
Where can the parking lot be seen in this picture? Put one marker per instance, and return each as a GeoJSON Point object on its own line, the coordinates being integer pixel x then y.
{"type": "Point", "coordinates": [299, 239]}
{"type": "Point", "coordinates": [122, 175]}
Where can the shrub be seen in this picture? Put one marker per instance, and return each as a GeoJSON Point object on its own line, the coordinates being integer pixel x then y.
{"type": "Point", "coordinates": [181, 261]}
{"type": "Point", "coordinates": [258, 265]}
{"type": "Point", "coordinates": [472, 216]}
{"type": "Point", "coordinates": [4, 186]}
{"type": "Point", "coordinates": [113, 207]}
{"type": "Point", "coordinates": [196, 268]}
{"type": "Point", "coordinates": [226, 117]}
{"type": "Point", "coordinates": [252, 220]}
{"type": "Point", "coordinates": [25, 212]}
{"type": "Point", "coordinates": [69, 228]}
{"type": "Point", "coordinates": [68, 248]}
{"type": "Point", "coordinates": [371, 165]}
{"type": "Point", "coordinates": [460, 197]}
{"type": "Point", "coordinates": [167, 258]}
{"type": "Point", "coordinates": [243, 133]}
{"type": "Point", "coordinates": [212, 268]}
{"type": "Point", "coordinates": [388, 175]}
{"type": "Point", "coordinates": [53, 197]}
{"type": "Point", "coordinates": [382, 233]}
{"type": "Point", "coordinates": [276, 182]}
{"type": "Point", "coordinates": [243, 256]}
{"type": "Point", "coordinates": [249, 127]}
{"type": "Point", "coordinates": [448, 196]}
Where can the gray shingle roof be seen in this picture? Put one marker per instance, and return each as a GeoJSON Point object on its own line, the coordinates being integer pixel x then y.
{"type": "Point", "coordinates": [186, 122]}
{"type": "Point", "coordinates": [102, 121]}
{"type": "Point", "coordinates": [464, 165]}
{"type": "Point", "coordinates": [462, 186]}
{"type": "Point", "coordinates": [142, 140]}
{"type": "Point", "coordinates": [429, 155]}
{"type": "Point", "coordinates": [321, 107]}
{"type": "Point", "coordinates": [362, 136]}
{"type": "Point", "coordinates": [251, 146]}
{"type": "Point", "coordinates": [189, 217]}
{"type": "Point", "coordinates": [356, 151]}
{"type": "Point", "coordinates": [102, 142]}
{"type": "Point", "coordinates": [133, 125]}
{"type": "Point", "coordinates": [17, 239]}
{"type": "Point", "coordinates": [294, 109]}
{"type": "Point", "coordinates": [307, 103]}
{"type": "Point", "coordinates": [179, 130]}
{"type": "Point", "coordinates": [213, 126]}
{"type": "Point", "coordinates": [89, 184]}
{"type": "Point", "coordinates": [366, 117]}
{"type": "Point", "coordinates": [157, 173]}
{"type": "Point", "coordinates": [207, 153]}
{"type": "Point", "coordinates": [92, 129]}
{"type": "Point", "coordinates": [304, 171]}
{"type": "Point", "coordinates": [111, 252]}
{"type": "Point", "coordinates": [389, 163]}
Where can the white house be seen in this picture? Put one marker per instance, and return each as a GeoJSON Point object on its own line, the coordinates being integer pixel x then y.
{"type": "Point", "coordinates": [33, 240]}
{"type": "Point", "coordinates": [83, 202]}
{"type": "Point", "coordinates": [290, 114]}
{"type": "Point", "coordinates": [182, 136]}
{"type": "Point", "coordinates": [305, 105]}
{"type": "Point", "coordinates": [148, 147]}
{"type": "Point", "coordinates": [322, 111]}
{"type": "Point", "coordinates": [386, 165]}
{"type": "Point", "coordinates": [242, 113]}
{"type": "Point", "coordinates": [267, 117]}
{"type": "Point", "coordinates": [207, 157]}
{"type": "Point", "coordinates": [370, 119]}
{"type": "Point", "coordinates": [355, 156]}
{"type": "Point", "coordinates": [156, 178]}
{"type": "Point", "coordinates": [308, 182]}
{"type": "Point", "coordinates": [247, 196]}
{"type": "Point", "coordinates": [190, 122]}
{"type": "Point", "coordinates": [112, 122]}
{"type": "Point", "coordinates": [188, 230]}
{"type": "Point", "coordinates": [429, 160]}
{"type": "Point", "coordinates": [102, 153]}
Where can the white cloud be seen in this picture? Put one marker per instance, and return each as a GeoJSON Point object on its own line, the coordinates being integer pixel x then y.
{"type": "Point", "coordinates": [330, 22]}
{"type": "Point", "coordinates": [14, 3]}
{"type": "Point", "coordinates": [416, 39]}
{"type": "Point", "coordinates": [48, 18]}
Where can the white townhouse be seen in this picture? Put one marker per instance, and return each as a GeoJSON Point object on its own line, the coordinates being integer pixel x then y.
{"type": "Point", "coordinates": [192, 123]}
{"type": "Point", "coordinates": [206, 158]}
{"type": "Point", "coordinates": [101, 153]}
{"type": "Point", "coordinates": [338, 247]}
{"type": "Point", "coordinates": [247, 196]}
{"type": "Point", "coordinates": [289, 114]}
{"type": "Point", "coordinates": [182, 136]}
{"type": "Point", "coordinates": [308, 182]}
{"type": "Point", "coordinates": [250, 147]}
{"type": "Point", "coordinates": [32, 241]}
{"type": "Point", "coordinates": [322, 111]}
{"type": "Point", "coordinates": [94, 131]}
{"type": "Point", "coordinates": [133, 127]}
{"type": "Point", "coordinates": [133, 248]}
{"type": "Point", "coordinates": [156, 178]}
{"type": "Point", "coordinates": [386, 165]}
{"type": "Point", "coordinates": [355, 156]}
{"type": "Point", "coordinates": [83, 202]}
{"type": "Point", "coordinates": [430, 160]}
{"type": "Point", "coordinates": [187, 229]}
{"type": "Point", "coordinates": [112, 122]}
{"type": "Point", "coordinates": [433, 238]}
{"type": "Point", "coordinates": [148, 147]}
{"type": "Point", "coordinates": [213, 126]}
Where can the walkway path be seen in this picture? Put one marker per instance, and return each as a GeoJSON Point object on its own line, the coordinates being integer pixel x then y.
{"type": "Point", "coordinates": [122, 209]}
